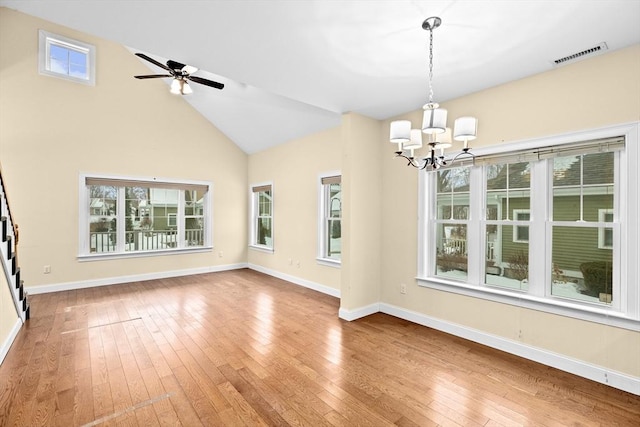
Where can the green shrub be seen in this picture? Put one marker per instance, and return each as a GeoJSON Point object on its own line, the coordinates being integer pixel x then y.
{"type": "Point", "coordinates": [597, 277]}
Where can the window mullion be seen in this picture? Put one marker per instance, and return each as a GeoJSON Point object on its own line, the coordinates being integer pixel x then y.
{"type": "Point", "coordinates": [539, 241]}
{"type": "Point", "coordinates": [121, 223]}
{"type": "Point", "coordinates": [180, 218]}
{"type": "Point", "coordinates": [475, 238]}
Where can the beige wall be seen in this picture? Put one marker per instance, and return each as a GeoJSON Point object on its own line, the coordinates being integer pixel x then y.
{"type": "Point", "coordinates": [294, 169]}
{"type": "Point", "coordinates": [601, 91]}
{"type": "Point", "coordinates": [51, 130]}
{"type": "Point", "coordinates": [362, 183]}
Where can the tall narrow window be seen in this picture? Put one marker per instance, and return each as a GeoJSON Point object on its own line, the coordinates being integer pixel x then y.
{"type": "Point", "coordinates": [330, 220]}
{"type": "Point", "coordinates": [452, 214]}
{"type": "Point", "coordinates": [66, 58]}
{"type": "Point", "coordinates": [507, 224]}
{"type": "Point", "coordinates": [262, 216]}
{"type": "Point", "coordinates": [583, 213]}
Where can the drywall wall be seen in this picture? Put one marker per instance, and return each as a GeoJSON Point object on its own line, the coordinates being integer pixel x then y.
{"type": "Point", "coordinates": [52, 130]}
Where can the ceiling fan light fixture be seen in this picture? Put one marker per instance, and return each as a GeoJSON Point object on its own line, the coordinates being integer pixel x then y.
{"type": "Point", "coordinates": [175, 87]}
{"type": "Point", "coordinates": [186, 89]}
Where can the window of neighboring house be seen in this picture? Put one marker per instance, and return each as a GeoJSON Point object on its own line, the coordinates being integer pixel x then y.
{"type": "Point", "coordinates": [330, 220]}
{"type": "Point", "coordinates": [127, 216]}
{"type": "Point", "coordinates": [262, 217]}
{"type": "Point", "coordinates": [605, 234]}
{"type": "Point", "coordinates": [66, 58]}
{"type": "Point", "coordinates": [534, 223]}
{"type": "Point", "coordinates": [521, 232]}
{"type": "Point", "coordinates": [172, 220]}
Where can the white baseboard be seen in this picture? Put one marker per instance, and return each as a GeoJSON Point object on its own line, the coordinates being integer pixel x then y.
{"type": "Point", "coordinates": [6, 345]}
{"type": "Point", "coordinates": [577, 367]}
{"type": "Point", "coordinates": [297, 281]}
{"type": "Point", "coordinates": [57, 287]}
{"type": "Point", "coordinates": [358, 313]}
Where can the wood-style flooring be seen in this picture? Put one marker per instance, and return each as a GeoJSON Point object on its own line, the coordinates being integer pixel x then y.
{"type": "Point", "coordinates": [240, 348]}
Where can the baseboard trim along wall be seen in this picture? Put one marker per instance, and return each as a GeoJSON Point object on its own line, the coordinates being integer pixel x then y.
{"type": "Point", "coordinates": [6, 345]}
{"type": "Point", "coordinates": [577, 367]}
{"type": "Point", "coordinates": [351, 315]}
{"type": "Point", "coordinates": [57, 287]}
{"type": "Point", "coordinates": [297, 280]}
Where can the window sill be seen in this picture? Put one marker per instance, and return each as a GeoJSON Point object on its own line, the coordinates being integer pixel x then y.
{"type": "Point", "coordinates": [142, 254]}
{"type": "Point", "coordinates": [603, 315]}
{"type": "Point", "coordinates": [335, 263]}
{"type": "Point", "coordinates": [261, 248]}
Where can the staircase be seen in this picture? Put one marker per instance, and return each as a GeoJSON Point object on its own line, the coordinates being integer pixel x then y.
{"type": "Point", "coordinates": [9, 254]}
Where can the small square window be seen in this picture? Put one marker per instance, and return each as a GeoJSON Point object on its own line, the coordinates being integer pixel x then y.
{"type": "Point", "coordinates": [69, 59]}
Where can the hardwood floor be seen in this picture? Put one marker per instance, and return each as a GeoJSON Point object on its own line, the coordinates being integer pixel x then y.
{"type": "Point", "coordinates": [241, 348]}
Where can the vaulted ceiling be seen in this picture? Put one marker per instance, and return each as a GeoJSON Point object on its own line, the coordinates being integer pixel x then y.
{"type": "Point", "coordinates": [293, 67]}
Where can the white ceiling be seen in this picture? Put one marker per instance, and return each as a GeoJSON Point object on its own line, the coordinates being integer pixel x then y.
{"type": "Point", "coordinates": [292, 68]}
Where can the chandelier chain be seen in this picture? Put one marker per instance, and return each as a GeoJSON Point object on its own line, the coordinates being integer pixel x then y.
{"type": "Point", "coordinates": [430, 66]}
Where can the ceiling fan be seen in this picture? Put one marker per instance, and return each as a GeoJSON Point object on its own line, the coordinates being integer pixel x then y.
{"type": "Point", "coordinates": [180, 73]}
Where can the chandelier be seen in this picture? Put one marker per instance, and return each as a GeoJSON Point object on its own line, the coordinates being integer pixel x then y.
{"type": "Point", "coordinates": [434, 125]}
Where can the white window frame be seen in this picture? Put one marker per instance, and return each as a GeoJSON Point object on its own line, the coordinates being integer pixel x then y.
{"type": "Point", "coordinates": [323, 230]}
{"type": "Point", "coordinates": [516, 225]}
{"type": "Point", "coordinates": [602, 217]}
{"type": "Point", "coordinates": [253, 217]}
{"type": "Point", "coordinates": [624, 312]}
{"type": "Point", "coordinates": [84, 197]}
{"type": "Point", "coordinates": [46, 40]}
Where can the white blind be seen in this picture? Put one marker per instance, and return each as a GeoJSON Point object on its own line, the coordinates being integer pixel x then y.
{"type": "Point", "coordinates": [331, 180]}
{"type": "Point", "coordinates": [146, 184]}
{"type": "Point", "coordinates": [604, 145]}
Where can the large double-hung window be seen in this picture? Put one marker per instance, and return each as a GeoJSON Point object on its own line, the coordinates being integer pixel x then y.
{"type": "Point", "coordinates": [138, 216]}
{"type": "Point", "coordinates": [552, 225]}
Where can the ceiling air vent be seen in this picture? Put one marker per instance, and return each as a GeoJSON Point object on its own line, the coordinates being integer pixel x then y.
{"type": "Point", "coordinates": [581, 55]}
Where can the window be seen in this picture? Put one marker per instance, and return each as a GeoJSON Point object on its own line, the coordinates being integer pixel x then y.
{"type": "Point", "coordinates": [262, 216]}
{"type": "Point", "coordinates": [330, 220]}
{"type": "Point", "coordinates": [66, 58]}
{"type": "Point", "coordinates": [550, 225]}
{"type": "Point", "coordinates": [127, 216]}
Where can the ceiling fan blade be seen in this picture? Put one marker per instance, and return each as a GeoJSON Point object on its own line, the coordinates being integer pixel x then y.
{"type": "Point", "coordinates": [206, 82]}
{"type": "Point", "coordinates": [153, 76]}
{"type": "Point", "coordinates": [174, 65]}
{"type": "Point", "coordinates": [153, 61]}
{"type": "Point", "coordinates": [189, 69]}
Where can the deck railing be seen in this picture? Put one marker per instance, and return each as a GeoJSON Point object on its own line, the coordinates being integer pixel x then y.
{"type": "Point", "coordinates": [143, 240]}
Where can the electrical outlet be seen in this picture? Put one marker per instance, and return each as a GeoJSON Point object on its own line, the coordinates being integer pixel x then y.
{"type": "Point", "coordinates": [220, 254]}
{"type": "Point", "coordinates": [47, 269]}
{"type": "Point", "coordinates": [403, 288]}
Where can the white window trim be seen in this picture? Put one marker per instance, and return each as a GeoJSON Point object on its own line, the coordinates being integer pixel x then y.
{"type": "Point", "coordinates": [84, 253]}
{"type": "Point", "coordinates": [517, 224]}
{"type": "Point", "coordinates": [602, 218]}
{"type": "Point", "coordinates": [253, 203]}
{"type": "Point", "coordinates": [45, 39]}
{"type": "Point", "coordinates": [626, 314]}
{"type": "Point", "coordinates": [322, 223]}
